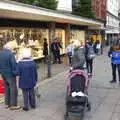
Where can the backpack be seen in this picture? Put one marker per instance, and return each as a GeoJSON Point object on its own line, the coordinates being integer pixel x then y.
{"type": "Point", "coordinates": [90, 53]}
{"type": "Point", "coordinates": [116, 57]}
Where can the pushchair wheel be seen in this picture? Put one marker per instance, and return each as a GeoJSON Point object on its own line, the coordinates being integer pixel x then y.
{"type": "Point", "coordinates": [89, 106]}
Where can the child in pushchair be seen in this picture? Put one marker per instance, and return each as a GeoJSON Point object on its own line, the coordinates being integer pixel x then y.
{"type": "Point", "coordinates": [77, 95]}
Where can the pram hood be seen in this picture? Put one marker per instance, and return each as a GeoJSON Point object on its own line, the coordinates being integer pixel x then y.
{"type": "Point", "coordinates": [72, 74]}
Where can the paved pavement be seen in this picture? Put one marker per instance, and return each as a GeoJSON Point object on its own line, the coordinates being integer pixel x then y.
{"type": "Point", "coordinates": [104, 97]}
{"type": "Point", "coordinates": [55, 69]}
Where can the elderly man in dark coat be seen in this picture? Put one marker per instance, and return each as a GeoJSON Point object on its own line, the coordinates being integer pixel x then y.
{"type": "Point", "coordinates": [7, 68]}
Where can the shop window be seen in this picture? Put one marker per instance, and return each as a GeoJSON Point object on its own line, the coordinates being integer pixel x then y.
{"type": "Point", "coordinates": [60, 34]}
{"type": "Point", "coordinates": [78, 35]}
{"type": "Point", "coordinates": [21, 38]}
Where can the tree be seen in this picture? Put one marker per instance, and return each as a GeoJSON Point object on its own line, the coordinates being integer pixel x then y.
{"type": "Point", "coordinates": [49, 4]}
{"type": "Point", "coordinates": [84, 8]}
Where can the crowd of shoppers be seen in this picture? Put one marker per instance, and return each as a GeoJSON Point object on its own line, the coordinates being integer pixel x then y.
{"type": "Point", "coordinates": [80, 56]}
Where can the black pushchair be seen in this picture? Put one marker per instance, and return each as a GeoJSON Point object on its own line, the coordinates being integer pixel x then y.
{"type": "Point", "coordinates": [77, 95]}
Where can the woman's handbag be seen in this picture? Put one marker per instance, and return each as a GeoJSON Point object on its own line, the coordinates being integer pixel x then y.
{"type": "Point", "coordinates": [2, 89]}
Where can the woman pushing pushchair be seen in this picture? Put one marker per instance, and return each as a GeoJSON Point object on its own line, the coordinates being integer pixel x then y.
{"type": "Point", "coordinates": [79, 61]}
{"type": "Point", "coordinates": [78, 58]}
{"type": "Point", "coordinates": [77, 84]}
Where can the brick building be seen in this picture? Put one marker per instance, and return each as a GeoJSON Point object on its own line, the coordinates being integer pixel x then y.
{"type": "Point", "coordinates": [100, 8]}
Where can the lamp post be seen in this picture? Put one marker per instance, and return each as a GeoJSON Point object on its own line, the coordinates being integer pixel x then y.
{"type": "Point", "coordinates": [51, 37]}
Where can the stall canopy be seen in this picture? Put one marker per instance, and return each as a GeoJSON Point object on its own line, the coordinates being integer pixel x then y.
{"type": "Point", "coordinates": [15, 10]}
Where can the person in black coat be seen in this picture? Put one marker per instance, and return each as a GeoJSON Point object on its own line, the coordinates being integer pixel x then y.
{"type": "Point", "coordinates": [45, 49]}
{"type": "Point", "coordinates": [55, 48]}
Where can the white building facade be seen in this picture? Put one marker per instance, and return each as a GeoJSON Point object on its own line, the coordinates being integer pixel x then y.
{"type": "Point", "coordinates": [65, 5]}
{"type": "Point", "coordinates": [112, 23]}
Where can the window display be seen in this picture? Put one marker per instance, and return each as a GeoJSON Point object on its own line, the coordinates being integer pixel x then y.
{"type": "Point", "coordinates": [60, 34]}
{"type": "Point", "coordinates": [78, 35]}
{"type": "Point", "coordinates": [16, 39]}
{"type": "Point", "coordinates": [20, 38]}
{"type": "Point", "coordinates": [96, 37]}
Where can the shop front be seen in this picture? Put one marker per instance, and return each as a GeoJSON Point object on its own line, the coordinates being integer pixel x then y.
{"type": "Point", "coordinates": [27, 26]}
{"type": "Point", "coordinates": [95, 35]}
{"type": "Point", "coordinates": [32, 38]}
{"type": "Point", "coordinates": [78, 35]}
{"type": "Point", "coordinates": [20, 38]}
{"type": "Point", "coordinates": [60, 34]}
{"type": "Point", "coordinates": [28, 34]}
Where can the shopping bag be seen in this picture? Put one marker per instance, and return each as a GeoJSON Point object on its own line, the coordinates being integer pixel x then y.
{"type": "Point", "coordinates": [2, 91]}
{"type": "Point", "coordinates": [98, 46]}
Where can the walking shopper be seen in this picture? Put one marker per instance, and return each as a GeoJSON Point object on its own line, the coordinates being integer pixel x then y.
{"type": "Point", "coordinates": [90, 55]}
{"type": "Point", "coordinates": [97, 46]}
{"type": "Point", "coordinates": [55, 48]}
{"type": "Point", "coordinates": [45, 50]}
{"type": "Point", "coordinates": [27, 73]}
{"type": "Point", "coordinates": [69, 51]}
{"type": "Point", "coordinates": [78, 59]}
{"type": "Point", "coordinates": [7, 67]}
{"type": "Point", "coordinates": [114, 53]}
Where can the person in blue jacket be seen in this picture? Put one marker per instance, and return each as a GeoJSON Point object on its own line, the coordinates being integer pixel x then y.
{"type": "Point", "coordinates": [7, 67]}
{"type": "Point", "coordinates": [27, 73]}
{"type": "Point", "coordinates": [114, 53]}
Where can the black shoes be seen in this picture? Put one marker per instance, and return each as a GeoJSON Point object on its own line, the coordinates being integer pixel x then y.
{"type": "Point", "coordinates": [25, 108]}
{"type": "Point", "coordinates": [113, 81]}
